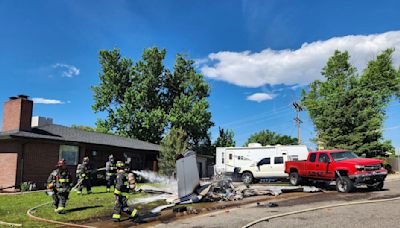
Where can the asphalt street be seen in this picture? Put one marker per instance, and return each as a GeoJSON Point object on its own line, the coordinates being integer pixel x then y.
{"type": "Point", "coordinates": [384, 214]}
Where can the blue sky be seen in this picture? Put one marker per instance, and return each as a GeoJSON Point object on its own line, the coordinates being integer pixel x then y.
{"type": "Point", "coordinates": [256, 55]}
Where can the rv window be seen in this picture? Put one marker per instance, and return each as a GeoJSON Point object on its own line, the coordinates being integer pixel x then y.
{"type": "Point", "coordinates": [264, 161]}
{"type": "Point", "coordinates": [223, 155]}
{"type": "Point", "coordinates": [230, 156]}
{"type": "Point", "coordinates": [278, 160]}
{"type": "Point", "coordinates": [312, 157]}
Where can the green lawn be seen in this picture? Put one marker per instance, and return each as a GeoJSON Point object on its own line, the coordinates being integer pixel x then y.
{"type": "Point", "coordinates": [79, 207]}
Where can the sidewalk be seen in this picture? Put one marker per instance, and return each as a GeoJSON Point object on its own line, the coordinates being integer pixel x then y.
{"type": "Point", "coordinates": [394, 176]}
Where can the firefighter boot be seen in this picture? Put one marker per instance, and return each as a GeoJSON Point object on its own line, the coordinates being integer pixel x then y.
{"type": "Point", "coordinates": [134, 216]}
{"type": "Point", "coordinates": [116, 217]}
{"type": "Point", "coordinates": [60, 210]}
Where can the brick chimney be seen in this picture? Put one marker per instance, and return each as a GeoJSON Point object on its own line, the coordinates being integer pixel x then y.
{"type": "Point", "coordinates": [17, 114]}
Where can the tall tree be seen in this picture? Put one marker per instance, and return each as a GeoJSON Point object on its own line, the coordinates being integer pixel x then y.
{"type": "Point", "coordinates": [348, 110]}
{"type": "Point", "coordinates": [225, 138]}
{"type": "Point", "coordinates": [174, 143]}
{"type": "Point", "coordinates": [143, 100]}
{"type": "Point", "coordinates": [267, 137]}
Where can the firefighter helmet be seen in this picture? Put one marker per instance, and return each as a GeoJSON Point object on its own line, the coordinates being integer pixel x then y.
{"type": "Point", "coordinates": [61, 163]}
{"type": "Point", "coordinates": [120, 165]}
{"type": "Point", "coordinates": [86, 160]}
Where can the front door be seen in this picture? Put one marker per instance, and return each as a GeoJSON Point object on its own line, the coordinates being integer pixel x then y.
{"type": "Point", "coordinates": [322, 166]}
{"type": "Point", "coordinates": [264, 168]}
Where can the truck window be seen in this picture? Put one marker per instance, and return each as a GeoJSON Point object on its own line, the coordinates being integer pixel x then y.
{"type": "Point", "coordinates": [264, 161]}
{"type": "Point", "coordinates": [313, 157]}
{"type": "Point", "coordinates": [278, 160]}
{"type": "Point", "coordinates": [323, 158]}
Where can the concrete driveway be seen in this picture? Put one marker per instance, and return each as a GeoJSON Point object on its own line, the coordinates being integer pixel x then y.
{"type": "Point", "coordinates": [384, 214]}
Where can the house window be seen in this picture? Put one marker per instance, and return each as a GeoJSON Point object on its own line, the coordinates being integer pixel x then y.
{"type": "Point", "coordinates": [70, 154]}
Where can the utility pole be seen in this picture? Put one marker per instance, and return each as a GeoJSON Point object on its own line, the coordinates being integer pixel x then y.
{"type": "Point", "coordinates": [298, 109]}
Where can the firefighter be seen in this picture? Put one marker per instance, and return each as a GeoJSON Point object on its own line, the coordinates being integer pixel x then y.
{"type": "Point", "coordinates": [122, 186]}
{"type": "Point", "coordinates": [59, 183]}
{"type": "Point", "coordinates": [83, 173]}
{"type": "Point", "coordinates": [111, 171]}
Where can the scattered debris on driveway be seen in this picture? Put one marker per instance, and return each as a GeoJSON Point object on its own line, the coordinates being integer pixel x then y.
{"type": "Point", "coordinates": [189, 189]}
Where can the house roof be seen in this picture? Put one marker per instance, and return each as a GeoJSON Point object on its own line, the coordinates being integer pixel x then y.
{"type": "Point", "coordinates": [63, 133]}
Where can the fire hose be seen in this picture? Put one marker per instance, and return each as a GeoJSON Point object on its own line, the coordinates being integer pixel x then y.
{"type": "Point", "coordinates": [29, 213]}
{"type": "Point", "coordinates": [9, 224]}
{"type": "Point", "coordinates": [266, 219]}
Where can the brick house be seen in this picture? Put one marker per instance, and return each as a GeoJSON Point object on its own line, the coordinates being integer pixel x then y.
{"type": "Point", "coordinates": [30, 147]}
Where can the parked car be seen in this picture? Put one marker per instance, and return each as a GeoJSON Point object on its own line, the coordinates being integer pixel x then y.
{"type": "Point", "coordinates": [268, 167]}
{"type": "Point", "coordinates": [345, 167]}
{"type": "Point", "coordinates": [256, 161]}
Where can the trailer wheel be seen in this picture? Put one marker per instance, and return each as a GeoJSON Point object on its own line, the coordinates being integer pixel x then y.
{"type": "Point", "coordinates": [376, 187]}
{"type": "Point", "coordinates": [247, 178]}
{"type": "Point", "coordinates": [344, 184]}
{"type": "Point", "coordinates": [294, 178]}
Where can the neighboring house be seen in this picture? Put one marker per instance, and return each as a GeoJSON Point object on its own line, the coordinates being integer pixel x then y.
{"type": "Point", "coordinates": [29, 150]}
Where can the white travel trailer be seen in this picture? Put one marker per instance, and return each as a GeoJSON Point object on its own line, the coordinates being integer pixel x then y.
{"type": "Point", "coordinates": [261, 161]}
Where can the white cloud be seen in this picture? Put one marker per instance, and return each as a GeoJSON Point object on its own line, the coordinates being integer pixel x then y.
{"type": "Point", "coordinates": [68, 71]}
{"type": "Point", "coordinates": [300, 66]}
{"type": "Point", "coordinates": [260, 97]}
{"type": "Point", "coordinates": [39, 100]}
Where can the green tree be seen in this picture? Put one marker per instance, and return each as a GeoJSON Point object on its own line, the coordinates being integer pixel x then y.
{"type": "Point", "coordinates": [348, 110]}
{"type": "Point", "coordinates": [225, 138]}
{"type": "Point", "coordinates": [83, 128]}
{"type": "Point", "coordinates": [267, 137]}
{"type": "Point", "coordinates": [144, 100]}
{"type": "Point", "coordinates": [174, 143]}
{"type": "Point", "coordinates": [90, 129]}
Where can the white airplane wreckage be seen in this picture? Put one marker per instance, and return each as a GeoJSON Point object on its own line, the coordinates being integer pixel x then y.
{"type": "Point", "coordinates": [187, 187]}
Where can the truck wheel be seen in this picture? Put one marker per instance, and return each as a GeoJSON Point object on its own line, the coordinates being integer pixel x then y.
{"type": "Point", "coordinates": [344, 184]}
{"type": "Point", "coordinates": [376, 187]}
{"type": "Point", "coordinates": [247, 178]}
{"type": "Point", "coordinates": [294, 178]}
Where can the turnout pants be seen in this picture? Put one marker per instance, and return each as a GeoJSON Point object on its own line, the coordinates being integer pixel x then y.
{"type": "Point", "coordinates": [85, 183]}
{"type": "Point", "coordinates": [110, 180]}
{"type": "Point", "coordinates": [122, 206]}
{"type": "Point", "coordinates": [60, 198]}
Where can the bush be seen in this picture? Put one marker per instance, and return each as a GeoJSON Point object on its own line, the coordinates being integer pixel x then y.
{"type": "Point", "coordinates": [386, 164]}
{"type": "Point", "coordinates": [24, 187]}
{"type": "Point", "coordinates": [28, 186]}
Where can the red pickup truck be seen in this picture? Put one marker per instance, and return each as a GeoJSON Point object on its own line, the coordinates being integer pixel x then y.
{"type": "Point", "coordinates": [345, 167]}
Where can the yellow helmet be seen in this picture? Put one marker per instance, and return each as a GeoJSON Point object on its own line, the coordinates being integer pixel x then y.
{"type": "Point", "coordinates": [120, 165]}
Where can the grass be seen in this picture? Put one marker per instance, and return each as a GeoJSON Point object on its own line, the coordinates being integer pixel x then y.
{"type": "Point", "coordinates": [79, 208]}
